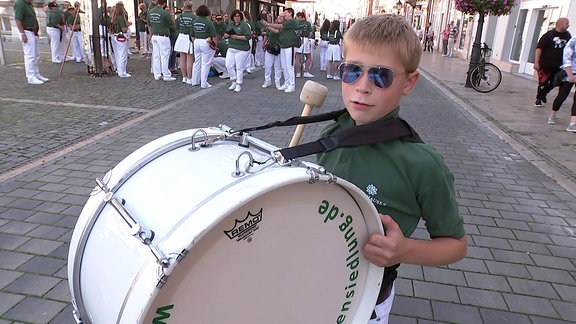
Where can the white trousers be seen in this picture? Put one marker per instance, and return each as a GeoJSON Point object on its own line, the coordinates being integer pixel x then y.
{"type": "Point", "coordinates": [103, 45]}
{"type": "Point", "coordinates": [323, 59]}
{"type": "Point", "coordinates": [219, 63]}
{"type": "Point", "coordinates": [161, 50]}
{"type": "Point", "coordinates": [383, 309]}
{"type": "Point", "coordinates": [236, 63]}
{"type": "Point", "coordinates": [270, 61]}
{"type": "Point", "coordinates": [203, 56]}
{"type": "Point", "coordinates": [250, 58]}
{"type": "Point", "coordinates": [121, 55]}
{"type": "Point", "coordinates": [55, 43]}
{"type": "Point", "coordinates": [144, 41]}
{"type": "Point", "coordinates": [77, 50]}
{"type": "Point", "coordinates": [450, 46]}
{"type": "Point", "coordinates": [260, 53]}
{"type": "Point", "coordinates": [112, 51]}
{"type": "Point", "coordinates": [287, 59]}
{"type": "Point", "coordinates": [31, 54]}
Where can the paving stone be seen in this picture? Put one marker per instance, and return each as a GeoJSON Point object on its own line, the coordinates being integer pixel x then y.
{"type": "Point", "coordinates": [7, 276]}
{"type": "Point", "coordinates": [530, 305]}
{"type": "Point", "coordinates": [482, 298]}
{"type": "Point", "coordinates": [15, 227]}
{"type": "Point", "coordinates": [488, 282]}
{"type": "Point", "coordinates": [498, 316]}
{"type": "Point", "coordinates": [444, 275]}
{"type": "Point", "coordinates": [48, 232]}
{"type": "Point", "coordinates": [39, 246]}
{"type": "Point", "coordinates": [455, 313]}
{"type": "Point", "coordinates": [42, 265]}
{"type": "Point", "coordinates": [7, 301]}
{"type": "Point", "coordinates": [512, 256]}
{"type": "Point", "coordinates": [552, 262]}
{"type": "Point", "coordinates": [532, 288]}
{"type": "Point", "coordinates": [566, 310]}
{"type": "Point", "coordinates": [44, 310]}
{"type": "Point", "coordinates": [30, 284]}
{"type": "Point", "coordinates": [11, 241]}
{"type": "Point", "coordinates": [412, 307]}
{"type": "Point", "coordinates": [567, 293]}
{"type": "Point", "coordinates": [435, 291]}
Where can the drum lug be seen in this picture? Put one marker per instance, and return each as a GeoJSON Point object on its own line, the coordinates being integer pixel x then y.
{"type": "Point", "coordinates": [238, 173]}
{"type": "Point", "coordinates": [318, 172]}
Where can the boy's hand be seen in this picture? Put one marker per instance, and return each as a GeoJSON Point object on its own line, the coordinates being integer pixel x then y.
{"type": "Point", "coordinates": [386, 250]}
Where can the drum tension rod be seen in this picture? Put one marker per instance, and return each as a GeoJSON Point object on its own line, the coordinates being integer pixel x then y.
{"type": "Point", "coordinates": [144, 236]}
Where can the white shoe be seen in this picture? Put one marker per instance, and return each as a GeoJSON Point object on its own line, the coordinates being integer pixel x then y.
{"type": "Point", "coordinates": [41, 78]}
{"type": "Point", "coordinates": [35, 80]}
{"type": "Point", "coordinates": [125, 75]}
{"type": "Point", "coordinates": [297, 75]}
{"type": "Point", "coordinates": [157, 78]}
{"type": "Point", "coordinates": [329, 76]}
{"type": "Point", "coordinates": [308, 75]}
{"type": "Point", "coordinates": [206, 86]}
{"type": "Point", "coordinates": [282, 88]}
{"type": "Point", "coordinates": [290, 89]}
{"type": "Point", "coordinates": [238, 88]}
{"type": "Point", "coordinates": [170, 78]}
{"type": "Point", "coordinates": [56, 61]}
{"type": "Point", "coordinates": [224, 75]}
{"type": "Point", "coordinates": [232, 86]}
{"type": "Point", "coordinates": [249, 71]}
{"type": "Point", "coordinates": [266, 84]}
{"type": "Point", "coordinates": [336, 77]}
{"type": "Point", "coordinates": [190, 82]}
{"type": "Point", "coordinates": [69, 58]}
{"type": "Point", "coordinates": [184, 79]}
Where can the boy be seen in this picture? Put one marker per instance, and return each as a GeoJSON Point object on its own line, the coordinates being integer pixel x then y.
{"type": "Point", "coordinates": [405, 180]}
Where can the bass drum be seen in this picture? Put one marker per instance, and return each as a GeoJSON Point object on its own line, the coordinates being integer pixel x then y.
{"type": "Point", "coordinates": [216, 233]}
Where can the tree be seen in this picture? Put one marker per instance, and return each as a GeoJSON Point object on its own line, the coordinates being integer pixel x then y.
{"type": "Point", "coordinates": [482, 8]}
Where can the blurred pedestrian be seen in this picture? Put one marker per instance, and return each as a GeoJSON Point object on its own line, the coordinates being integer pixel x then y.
{"type": "Point", "coordinates": [334, 54]}
{"type": "Point", "coordinates": [55, 29]}
{"type": "Point", "coordinates": [324, 44]}
{"type": "Point", "coordinates": [272, 56]}
{"type": "Point", "coordinates": [569, 66]}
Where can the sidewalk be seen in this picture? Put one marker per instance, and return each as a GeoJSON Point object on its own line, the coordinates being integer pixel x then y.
{"type": "Point", "coordinates": [509, 112]}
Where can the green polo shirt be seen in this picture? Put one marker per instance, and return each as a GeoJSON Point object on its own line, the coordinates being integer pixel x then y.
{"type": "Point", "coordinates": [273, 38]}
{"type": "Point", "coordinates": [304, 28]}
{"type": "Point", "coordinates": [53, 18]}
{"type": "Point", "coordinates": [220, 28]}
{"type": "Point", "coordinates": [141, 23]}
{"type": "Point", "coordinates": [160, 21]}
{"type": "Point", "coordinates": [334, 36]}
{"type": "Point", "coordinates": [241, 29]}
{"type": "Point", "coordinates": [406, 180]}
{"type": "Point", "coordinates": [288, 33]}
{"type": "Point", "coordinates": [184, 22]}
{"type": "Point", "coordinates": [24, 12]}
{"type": "Point", "coordinates": [203, 27]}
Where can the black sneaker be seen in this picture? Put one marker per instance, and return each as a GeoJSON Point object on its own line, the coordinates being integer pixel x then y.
{"type": "Point", "coordinates": [544, 100]}
{"type": "Point", "coordinates": [538, 103]}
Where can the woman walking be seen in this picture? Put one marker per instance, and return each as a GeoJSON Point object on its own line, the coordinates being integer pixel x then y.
{"type": "Point", "coordinates": [239, 34]}
{"type": "Point", "coordinates": [204, 32]}
{"type": "Point", "coordinates": [334, 52]}
{"type": "Point", "coordinates": [184, 45]}
{"type": "Point", "coordinates": [119, 26]}
{"type": "Point", "coordinates": [569, 66]}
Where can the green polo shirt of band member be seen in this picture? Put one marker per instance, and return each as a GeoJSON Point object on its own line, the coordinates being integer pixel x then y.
{"type": "Point", "coordinates": [403, 179]}
{"type": "Point", "coordinates": [160, 21]}
{"type": "Point", "coordinates": [53, 18]}
{"type": "Point", "coordinates": [24, 12]}
{"type": "Point", "coordinates": [273, 38]}
{"type": "Point", "coordinates": [120, 25]}
{"type": "Point", "coordinates": [185, 21]}
{"type": "Point", "coordinates": [241, 29]}
{"type": "Point", "coordinates": [203, 28]}
{"type": "Point", "coordinates": [220, 28]}
{"type": "Point", "coordinates": [141, 23]}
{"type": "Point", "coordinates": [70, 19]}
{"type": "Point", "coordinates": [288, 33]}
{"type": "Point", "coordinates": [304, 28]}
{"type": "Point", "coordinates": [334, 36]}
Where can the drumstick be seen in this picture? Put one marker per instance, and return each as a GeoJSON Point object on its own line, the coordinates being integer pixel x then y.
{"type": "Point", "coordinates": [313, 95]}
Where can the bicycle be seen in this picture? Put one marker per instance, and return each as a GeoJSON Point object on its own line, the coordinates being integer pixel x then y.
{"type": "Point", "coordinates": [485, 77]}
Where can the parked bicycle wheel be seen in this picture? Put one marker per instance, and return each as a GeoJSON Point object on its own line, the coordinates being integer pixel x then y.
{"type": "Point", "coordinates": [485, 78]}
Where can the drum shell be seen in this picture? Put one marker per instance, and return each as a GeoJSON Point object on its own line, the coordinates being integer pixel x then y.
{"type": "Point", "coordinates": [188, 198]}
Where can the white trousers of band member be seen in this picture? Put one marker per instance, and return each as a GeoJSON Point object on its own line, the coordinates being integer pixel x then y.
{"type": "Point", "coordinates": [323, 59]}
{"type": "Point", "coordinates": [203, 56]}
{"type": "Point", "coordinates": [77, 50]}
{"type": "Point", "coordinates": [31, 54]}
{"type": "Point", "coordinates": [236, 63]}
{"type": "Point", "coordinates": [121, 55]}
{"type": "Point", "coordinates": [271, 60]}
{"type": "Point", "coordinates": [112, 50]}
{"type": "Point", "coordinates": [260, 56]}
{"type": "Point", "coordinates": [219, 64]}
{"type": "Point", "coordinates": [103, 36]}
{"type": "Point", "coordinates": [144, 41]}
{"type": "Point", "coordinates": [55, 43]}
{"type": "Point", "coordinates": [161, 50]}
{"type": "Point", "coordinates": [383, 309]}
{"type": "Point", "coordinates": [287, 59]}
{"type": "Point", "coordinates": [250, 58]}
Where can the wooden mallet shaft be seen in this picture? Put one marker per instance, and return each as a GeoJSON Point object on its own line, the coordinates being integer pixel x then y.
{"type": "Point", "coordinates": [313, 95]}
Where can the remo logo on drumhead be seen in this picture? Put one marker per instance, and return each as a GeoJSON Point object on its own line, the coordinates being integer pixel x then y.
{"type": "Point", "coordinates": [244, 228]}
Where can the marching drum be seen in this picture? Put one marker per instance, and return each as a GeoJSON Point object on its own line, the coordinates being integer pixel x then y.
{"type": "Point", "coordinates": [210, 227]}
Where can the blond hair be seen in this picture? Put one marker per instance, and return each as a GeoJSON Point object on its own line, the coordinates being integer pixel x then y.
{"type": "Point", "coordinates": [391, 31]}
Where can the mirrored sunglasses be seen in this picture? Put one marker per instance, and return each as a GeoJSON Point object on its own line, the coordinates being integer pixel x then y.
{"type": "Point", "coordinates": [379, 76]}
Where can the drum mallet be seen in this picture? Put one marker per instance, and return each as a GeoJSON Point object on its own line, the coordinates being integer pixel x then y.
{"type": "Point", "coordinates": [313, 95]}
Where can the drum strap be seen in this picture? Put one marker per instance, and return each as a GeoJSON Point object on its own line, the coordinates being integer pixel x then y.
{"type": "Point", "coordinates": [378, 131]}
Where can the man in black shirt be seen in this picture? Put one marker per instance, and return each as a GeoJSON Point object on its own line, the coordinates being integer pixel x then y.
{"type": "Point", "coordinates": [549, 58]}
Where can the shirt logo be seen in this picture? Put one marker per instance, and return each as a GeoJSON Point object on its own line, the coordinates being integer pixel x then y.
{"type": "Point", "coordinates": [372, 191]}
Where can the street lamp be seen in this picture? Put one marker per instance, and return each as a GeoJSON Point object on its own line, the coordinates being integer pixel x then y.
{"type": "Point", "coordinates": [399, 6]}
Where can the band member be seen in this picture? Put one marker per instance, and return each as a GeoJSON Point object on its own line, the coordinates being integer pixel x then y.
{"type": "Point", "coordinates": [119, 27]}
{"type": "Point", "coordinates": [160, 24]}
{"type": "Point", "coordinates": [56, 30]}
{"type": "Point", "coordinates": [27, 25]}
{"type": "Point", "coordinates": [74, 23]}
